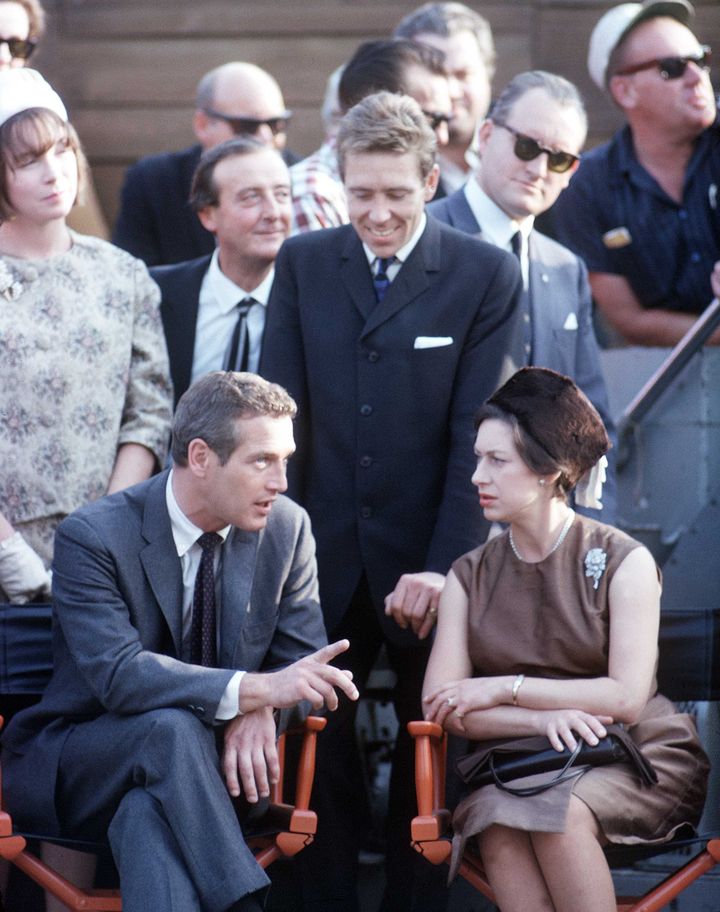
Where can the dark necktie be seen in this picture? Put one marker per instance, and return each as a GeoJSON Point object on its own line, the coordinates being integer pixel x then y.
{"type": "Point", "coordinates": [203, 642]}
{"type": "Point", "coordinates": [524, 354]}
{"type": "Point", "coordinates": [239, 349]}
{"type": "Point", "coordinates": [380, 279]}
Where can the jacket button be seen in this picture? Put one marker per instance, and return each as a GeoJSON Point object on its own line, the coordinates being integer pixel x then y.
{"type": "Point", "coordinates": [365, 410]}
{"type": "Point", "coordinates": [373, 356]}
{"type": "Point", "coordinates": [366, 512]}
{"type": "Point", "coordinates": [365, 461]}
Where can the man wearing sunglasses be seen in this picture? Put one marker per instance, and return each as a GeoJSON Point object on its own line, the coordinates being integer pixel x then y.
{"type": "Point", "coordinates": [644, 210]}
{"type": "Point", "coordinates": [529, 149]}
{"type": "Point", "coordinates": [156, 222]}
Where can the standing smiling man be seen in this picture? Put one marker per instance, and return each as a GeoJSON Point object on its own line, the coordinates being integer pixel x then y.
{"type": "Point", "coordinates": [213, 308]}
{"type": "Point", "coordinates": [388, 331]}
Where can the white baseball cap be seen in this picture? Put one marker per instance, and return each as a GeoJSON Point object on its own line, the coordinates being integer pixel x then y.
{"type": "Point", "coordinates": [617, 22]}
{"type": "Point", "coordinates": [23, 88]}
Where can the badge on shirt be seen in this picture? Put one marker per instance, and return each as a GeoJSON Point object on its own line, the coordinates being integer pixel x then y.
{"type": "Point", "coordinates": [616, 238]}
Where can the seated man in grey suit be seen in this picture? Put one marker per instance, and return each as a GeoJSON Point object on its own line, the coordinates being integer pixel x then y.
{"type": "Point", "coordinates": [529, 149]}
{"type": "Point", "coordinates": [213, 308]}
{"type": "Point", "coordinates": [186, 613]}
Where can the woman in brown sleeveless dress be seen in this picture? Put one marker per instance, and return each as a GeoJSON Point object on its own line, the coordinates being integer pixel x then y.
{"type": "Point", "coordinates": [551, 628]}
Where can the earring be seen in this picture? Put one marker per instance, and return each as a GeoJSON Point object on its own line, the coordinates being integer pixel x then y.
{"type": "Point", "coordinates": [542, 482]}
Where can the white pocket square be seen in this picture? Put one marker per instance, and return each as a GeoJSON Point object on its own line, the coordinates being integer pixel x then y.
{"type": "Point", "coordinates": [432, 341]}
{"type": "Point", "coordinates": [570, 322]}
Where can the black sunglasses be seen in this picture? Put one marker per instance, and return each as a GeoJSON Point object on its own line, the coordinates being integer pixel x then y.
{"type": "Point", "coordinates": [672, 67]}
{"type": "Point", "coordinates": [527, 148]}
{"type": "Point", "coordinates": [436, 118]}
{"type": "Point", "coordinates": [248, 126]}
{"type": "Point", "coordinates": [20, 48]}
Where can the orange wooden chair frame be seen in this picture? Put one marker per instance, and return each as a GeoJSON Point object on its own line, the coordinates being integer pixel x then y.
{"type": "Point", "coordinates": [295, 823]}
{"type": "Point", "coordinates": [430, 830]}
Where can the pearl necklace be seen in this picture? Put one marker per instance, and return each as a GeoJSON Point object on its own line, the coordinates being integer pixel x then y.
{"type": "Point", "coordinates": [560, 539]}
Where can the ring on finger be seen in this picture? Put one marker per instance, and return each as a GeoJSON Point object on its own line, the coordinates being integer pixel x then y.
{"type": "Point", "coordinates": [432, 611]}
{"type": "Point", "coordinates": [450, 701]}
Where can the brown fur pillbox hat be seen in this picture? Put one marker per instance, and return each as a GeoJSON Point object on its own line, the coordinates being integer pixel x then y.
{"type": "Point", "coordinates": [556, 415]}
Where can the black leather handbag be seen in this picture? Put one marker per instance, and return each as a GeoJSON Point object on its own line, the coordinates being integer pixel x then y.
{"type": "Point", "coordinates": [502, 761]}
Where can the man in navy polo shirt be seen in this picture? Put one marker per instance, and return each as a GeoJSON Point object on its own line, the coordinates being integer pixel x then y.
{"type": "Point", "coordinates": [644, 210]}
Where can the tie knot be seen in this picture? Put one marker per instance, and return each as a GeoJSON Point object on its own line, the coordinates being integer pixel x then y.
{"type": "Point", "coordinates": [244, 306]}
{"type": "Point", "coordinates": [516, 244]}
{"type": "Point", "coordinates": [208, 541]}
{"type": "Point", "coordinates": [383, 264]}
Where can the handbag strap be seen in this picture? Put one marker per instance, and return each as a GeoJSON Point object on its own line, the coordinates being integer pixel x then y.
{"type": "Point", "coordinates": [563, 774]}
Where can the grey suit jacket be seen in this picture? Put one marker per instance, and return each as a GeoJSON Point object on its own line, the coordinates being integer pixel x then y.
{"type": "Point", "coordinates": [563, 338]}
{"type": "Point", "coordinates": [117, 590]}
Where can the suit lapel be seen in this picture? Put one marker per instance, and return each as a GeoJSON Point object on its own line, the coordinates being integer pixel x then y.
{"type": "Point", "coordinates": [461, 215]}
{"type": "Point", "coordinates": [355, 274]}
{"type": "Point", "coordinates": [238, 567]}
{"type": "Point", "coordinates": [160, 560]}
{"type": "Point", "coordinates": [179, 308]}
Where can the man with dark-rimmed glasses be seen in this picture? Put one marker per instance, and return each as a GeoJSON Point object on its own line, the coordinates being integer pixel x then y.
{"type": "Point", "coordinates": [156, 222]}
{"type": "Point", "coordinates": [644, 210]}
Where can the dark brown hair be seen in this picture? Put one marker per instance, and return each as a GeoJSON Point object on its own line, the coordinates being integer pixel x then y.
{"type": "Point", "coordinates": [210, 409]}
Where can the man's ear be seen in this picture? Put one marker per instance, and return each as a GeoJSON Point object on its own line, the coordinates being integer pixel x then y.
{"type": "Point", "coordinates": [207, 218]}
{"type": "Point", "coordinates": [431, 183]}
{"type": "Point", "coordinates": [199, 457]}
{"type": "Point", "coordinates": [201, 127]}
{"type": "Point", "coordinates": [623, 92]}
{"type": "Point", "coordinates": [483, 134]}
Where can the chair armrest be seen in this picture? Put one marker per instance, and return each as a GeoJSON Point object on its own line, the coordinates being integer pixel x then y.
{"type": "Point", "coordinates": [433, 821]}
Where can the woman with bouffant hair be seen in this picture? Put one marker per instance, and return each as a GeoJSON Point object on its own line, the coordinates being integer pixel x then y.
{"type": "Point", "coordinates": [85, 397]}
{"type": "Point", "coordinates": [551, 628]}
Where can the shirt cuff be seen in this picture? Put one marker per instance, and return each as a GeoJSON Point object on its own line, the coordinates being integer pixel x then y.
{"type": "Point", "coordinates": [229, 706]}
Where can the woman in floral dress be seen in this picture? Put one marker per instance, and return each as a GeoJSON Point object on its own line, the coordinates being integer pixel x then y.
{"type": "Point", "coordinates": [85, 398]}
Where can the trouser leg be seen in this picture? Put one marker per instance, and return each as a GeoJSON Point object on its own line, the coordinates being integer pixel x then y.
{"type": "Point", "coordinates": [171, 755]}
{"type": "Point", "coordinates": [141, 840]}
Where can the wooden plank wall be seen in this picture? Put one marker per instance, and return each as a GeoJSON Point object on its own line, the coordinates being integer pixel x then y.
{"type": "Point", "coordinates": [128, 68]}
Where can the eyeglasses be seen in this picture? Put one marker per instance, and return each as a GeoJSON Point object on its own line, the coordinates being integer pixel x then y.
{"type": "Point", "coordinates": [249, 126]}
{"type": "Point", "coordinates": [20, 48]}
{"type": "Point", "coordinates": [671, 67]}
{"type": "Point", "coordinates": [436, 118]}
{"type": "Point", "coordinates": [527, 148]}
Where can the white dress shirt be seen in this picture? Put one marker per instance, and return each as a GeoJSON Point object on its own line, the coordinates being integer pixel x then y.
{"type": "Point", "coordinates": [185, 535]}
{"type": "Point", "coordinates": [497, 226]}
{"type": "Point", "coordinates": [402, 254]}
{"type": "Point", "coordinates": [217, 318]}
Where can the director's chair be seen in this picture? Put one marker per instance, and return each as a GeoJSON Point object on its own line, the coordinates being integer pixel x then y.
{"type": "Point", "coordinates": [688, 670]}
{"type": "Point", "coordinates": [25, 667]}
